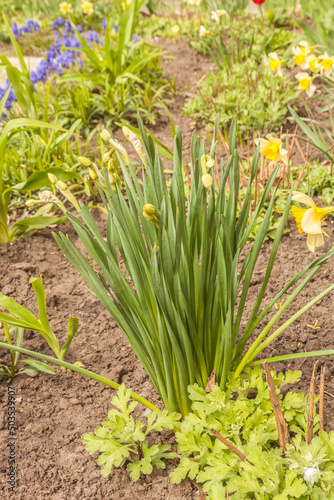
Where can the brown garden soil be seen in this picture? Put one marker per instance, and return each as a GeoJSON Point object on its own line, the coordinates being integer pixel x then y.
{"type": "Point", "coordinates": [53, 412]}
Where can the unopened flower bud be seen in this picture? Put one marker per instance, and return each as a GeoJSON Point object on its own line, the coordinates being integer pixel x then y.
{"type": "Point", "coordinates": [52, 178]}
{"type": "Point", "coordinates": [207, 180]}
{"type": "Point", "coordinates": [31, 203]}
{"type": "Point", "coordinates": [92, 174]}
{"type": "Point", "coordinates": [61, 185]}
{"type": "Point", "coordinates": [106, 157]}
{"type": "Point", "coordinates": [111, 165]}
{"type": "Point", "coordinates": [148, 216]}
{"type": "Point", "coordinates": [149, 209]}
{"type": "Point", "coordinates": [85, 162]}
{"type": "Point", "coordinates": [105, 135]}
{"type": "Point", "coordinates": [206, 163]}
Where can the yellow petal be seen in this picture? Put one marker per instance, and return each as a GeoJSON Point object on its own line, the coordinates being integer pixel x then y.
{"type": "Point", "coordinates": [325, 211]}
{"type": "Point", "coordinates": [314, 241]}
{"type": "Point", "coordinates": [298, 214]}
{"type": "Point", "coordinates": [303, 198]}
{"type": "Point", "coordinates": [311, 222]}
{"type": "Point", "coordinates": [271, 151]}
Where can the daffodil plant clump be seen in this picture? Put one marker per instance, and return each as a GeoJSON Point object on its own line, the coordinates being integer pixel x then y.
{"type": "Point", "coordinates": [178, 302]}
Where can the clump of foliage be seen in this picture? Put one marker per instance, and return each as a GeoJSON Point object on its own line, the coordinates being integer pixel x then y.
{"type": "Point", "coordinates": [244, 416]}
{"type": "Point", "coordinates": [122, 440]}
{"type": "Point", "coordinates": [258, 99]}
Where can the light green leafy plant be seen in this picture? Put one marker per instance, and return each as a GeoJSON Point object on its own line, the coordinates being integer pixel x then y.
{"type": "Point", "coordinates": [22, 318]}
{"type": "Point", "coordinates": [243, 415]}
{"type": "Point", "coordinates": [121, 439]}
{"type": "Point", "coordinates": [180, 299]}
{"type": "Point", "coordinates": [258, 99]}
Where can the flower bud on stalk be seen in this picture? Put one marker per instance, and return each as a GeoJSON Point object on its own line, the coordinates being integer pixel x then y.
{"type": "Point", "coordinates": [61, 185]}
{"type": "Point", "coordinates": [92, 174]}
{"type": "Point", "coordinates": [105, 135]}
{"type": "Point", "coordinates": [53, 178]}
{"type": "Point", "coordinates": [150, 213]}
{"type": "Point", "coordinates": [106, 157]}
{"type": "Point", "coordinates": [32, 203]}
{"type": "Point", "coordinates": [207, 180]}
{"type": "Point", "coordinates": [85, 162]}
{"type": "Point", "coordinates": [111, 165]}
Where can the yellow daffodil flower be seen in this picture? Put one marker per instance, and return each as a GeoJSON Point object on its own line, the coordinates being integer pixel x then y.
{"type": "Point", "coordinates": [312, 63]}
{"type": "Point", "coordinates": [272, 149]}
{"type": "Point", "coordinates": [87, 8]}
{"type": "Point", "coordinates": [309, 219]}
{"type": "Point", "coordinates": [300, 54]}
{"type": "Point", "coordinates": [326, 64]}
{"type": "Point", "coordinates": [305, 83]}
{"type": "Point", "coordinates": [217, 14]}
{"type": "Point", "coordinates": [275, 63]}
{"type": "Point", "coordinates": [193, 2]}
{"type": "Point", "coordinates": [65, 7]}
{"type": "Point", "coordinates": [203, 32]}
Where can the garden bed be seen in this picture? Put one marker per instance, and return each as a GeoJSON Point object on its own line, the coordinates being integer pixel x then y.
{"type": "Point", "coordinates": [54, 411]}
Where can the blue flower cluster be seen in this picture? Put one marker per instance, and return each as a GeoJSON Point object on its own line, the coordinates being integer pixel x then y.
{"type": "Point", "coordinates": [61, 55]}
{"type": "Point", "coordinates": [11, 96]}
{"type": "Point", "coordinates": [30, 26]}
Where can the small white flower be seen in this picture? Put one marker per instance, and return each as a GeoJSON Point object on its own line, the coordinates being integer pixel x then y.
{"type": "Point", "coordinates": [311, 474]}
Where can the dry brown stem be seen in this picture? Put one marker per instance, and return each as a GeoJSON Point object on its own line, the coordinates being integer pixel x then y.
{"type": "Point", "coordinates": [321, 400]}
{"type": "Point", "coordinates": [283, 430]}
{"type": "Point", "coordinates": [230, 446]}
{"type": "Point", "coordinates": [309, 433]}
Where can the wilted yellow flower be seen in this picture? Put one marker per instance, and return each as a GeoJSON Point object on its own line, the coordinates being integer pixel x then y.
{"type": "Point", "coordinates": [326, 64]}
{"type": "Point", "coordinates": [305, 83]}
{"type": "Point", "coordinates": [65, 7]}
{"type": "Point", "coordinates": [309, 219]}
{"type": "Point", "coordinates": [272, 149]}
{"type": "Point", "coordinates": [87, 7]}
{"type": "Point", "coordinates": [275, 63]}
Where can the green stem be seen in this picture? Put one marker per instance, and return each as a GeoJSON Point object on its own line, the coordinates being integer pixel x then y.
{"type": "Point", "coordinates": [288, 323]}
{"type": "Point", "coordinates": [9, 340]}
{"type": "Point", "coordinates": [75, 368]}
{"type": "Point", "coordinates": [296, 355]}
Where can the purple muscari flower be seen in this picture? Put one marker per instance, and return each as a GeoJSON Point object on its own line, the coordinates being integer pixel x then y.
{"type": "Point", "coordinates": [79, 28]}
{"type": "Point", "coordinates": [30, 25]}
{"type": "Point", "coordinates": [36, 26]}
{"type": "Point", "coordinates": [58, 42]}
{"type": "Point", "coordinates": [68, 26]}
{"type": "Point", "coordinates": [104, 23]}
{"type": "Point", "coordinates": [116, 28]}
{"type": "Point", "coordinates": [135, 38]}
{"type": "Point", "coordinates": [80, 63]}
{"type": "Point", "coordinates": [24, 29]}
{"type": "Point", "coordinates": [60, 21]}
{"type": "Point", "coordinates": [92, 36]}
{"type": "Point", "coordinates": [51, 54]}
{"type": "Point", "coordinates": [54, 25]}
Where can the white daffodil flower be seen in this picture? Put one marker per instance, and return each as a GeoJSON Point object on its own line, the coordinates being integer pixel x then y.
{"type": "Point", "coordinates": [308, 220]}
